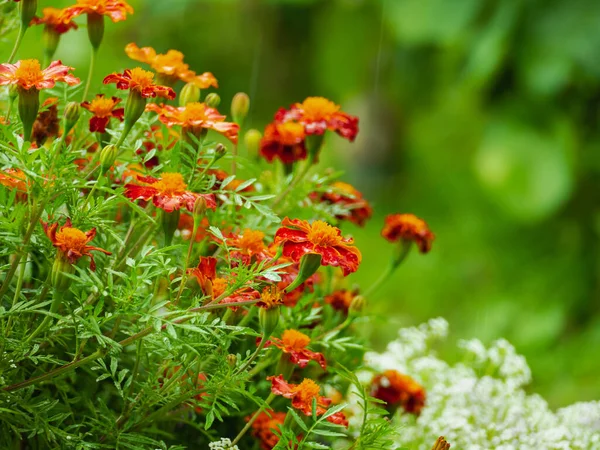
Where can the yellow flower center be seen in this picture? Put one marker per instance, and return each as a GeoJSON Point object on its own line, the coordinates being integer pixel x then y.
{"type": "Point", "coordinates": [323, 234]}
{"type": "Point", "coordinates": [219, 285]}
{"type": "Point", "coordinates": [271, 297]}
{"type": "Point", "coordinates": [170, 184]}
{"type": "Point", "coordinates": [29, 71]}
{"type": "Point", "coordinates": [413, 222]}
{"type": "Point", "coordinates": [318, 108]}
{"type": "Point", "coordinates": [294, 340]}
{"type": "Point", "coordinates": [307, 390]}
{"type": "Point", "coordinates": [141, 78]}
{"type": "Point", "coordinates": [344, 188]}
{"type": "Point", "coordinates": [251, 241]}
{"type": "Point", "coordinates": [290, 132]}
{"type": "Point", "coordinates": [102, 106]}
{"type": "Point", "coordinates": [194, 111]}
{"type": "Point", "coordinates": [71, 238]}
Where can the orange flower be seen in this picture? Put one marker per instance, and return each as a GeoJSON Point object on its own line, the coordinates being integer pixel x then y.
{"type": "Point", "coordinates": [270, 297]}
{"type": "Point", "coordinates": [245, 294]}
{"type": "Point", "coordinates": [248, 246]}
{"type": "Point", "coordinates": [221, 175]}
{"type": "Point", "coordinates": [171, 66]}
{"type": "Point", "coordinates": [72, 242]}
{"type": "Point", "coordinates": [341, 299]}
{"type": "Point", "coordinates": [195, 117]}
{"type": "Point", "coordinates": [295, 344]}
{"type": "Point", "coordinates": [264, 426]}
{"type": "Point", "coordinates": [299, 237]}
{"type": "Point", "coordinates": [410, 228]}
{"type": "Point", "coordinates": [205, 273]}
{"type": "Point", "coordinates": [28, 74]}
{"type": "Point", "coordinates": [302, 396]}
{"type": "Point", "coordinates": [103, 108]}
{"type": "Point", "coordinates": [349, 198]}
{"type": "Point", "coordinates": [117, 10]}
{"type": "Point", "coordinates": [318, 114]}
{"type": "Point", "coordinates": [168, 192]}
{"type": "Point", "coordinates": [141, 81]}
{"type": "Point", "coordinates": [284, 141]}
{"type": "Point", "coordinates": [55, 19]}
{"type": "Point", "coordinates": [14, 179]}
{"type": "Point", "coordinates": [397, 389]}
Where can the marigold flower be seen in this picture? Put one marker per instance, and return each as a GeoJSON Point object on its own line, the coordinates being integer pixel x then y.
{"type": "Point", "coordinates": [14, 179]}
{"type": "Point", "coordinates": [245, 294]}
{"type": "Point", "coordinates": [397, 389]}
{"type": "Point", "coordinates": [46, 124]}
{"type": "Point", "coordinates": [195, 117]}
{"type": "Point", "coordinates": [170, 66]}
{"type": "Point", "coordinates": [299, 237]}
{"type": "Point", "coordinates": [302, 396]}
{"type": "Point", "coordinates": [295, 344]}
{"type": "Point", "coordinates": [103, 108]}
{"type": "Point", "coordinates": [284, 141]}
{"type": "Point", "coordinates": [55, 19]}
{"type": "Point", "coordinates": [168, 192]}
{"type": "Point", "coordinates": [28, 74]}
{"type": "Point", "coordinates": [347, 196]}
{"type": "Point", "coordinates": [270, 298]}
{"type": "Point", "coordinates": [318, 114]}
{"type": "Point", "coordinates": [72, 242]}
{"type": "Point", "coordinates": [117, 10]}
{"type": "Point", "coordinates": [141, 81]}
{"type": "Point", "coordinates": [205, 273]}
{"type": "Point", "coordinates": [408, 227]}
{"type": "Point", "coordinates": [264, 426]}
{"type": "Point", "coordinates": [341, 299]}
{"type": "Point", "coordinates": [247, 246]}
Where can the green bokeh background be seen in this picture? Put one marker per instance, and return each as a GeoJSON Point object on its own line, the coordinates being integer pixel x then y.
{"type": "Point", "coordinates": [481, 116]}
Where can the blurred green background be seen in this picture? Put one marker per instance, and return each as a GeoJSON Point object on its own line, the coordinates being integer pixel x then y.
{"type": "Point", "coordinates": [479, 116]}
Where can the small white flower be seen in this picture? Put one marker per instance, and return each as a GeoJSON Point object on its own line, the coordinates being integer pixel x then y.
{"type": "Point", "coordinates": [223, 444]}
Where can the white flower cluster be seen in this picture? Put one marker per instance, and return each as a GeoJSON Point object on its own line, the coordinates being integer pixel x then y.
{"type": "Point", "coordinates": [222, 444]}
{"type": "Point", "coordinates": [479, 403]}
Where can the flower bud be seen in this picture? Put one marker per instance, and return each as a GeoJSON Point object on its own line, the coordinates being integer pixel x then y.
{"type": "Point", "coordinates": [268, 318]}
{"type": "Point", "coordinates": [231, 360]}
{"type": "Point", "coordinates": [441, 444]}
{"type": "Point", "coordinates": [199, 210]}
{"type": "Point", "coordinates": [107, 156]}
{"type": "Point", "coordinates": [309, 264]}
{"type": "Point", "coordinates": [28, 10]}
{"type": "Point", "coordinates": [220, 151]}
{"type": "Point", "coordinates": [213, 100]}
{"type": "Point", "coordinates": [95, 24]}
{"type": "Point", "coordinates": [240, 105]}
{"type": "Point", "coordinates": [60, 269]}
{"type": "Point", "coordinates": [252, 140]}
{"type": "Point", "coordinates": [189, 94]}
{"type": "Point", "coordinates": [71, 114]}
{"type": "Point", "coordinates": [356, 305]}
{"type": "Point", "coordinates": [29, 105]}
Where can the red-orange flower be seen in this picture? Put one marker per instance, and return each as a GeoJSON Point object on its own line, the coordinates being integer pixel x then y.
{"type": "Point", "coordinates": [302, 396]}
{"type": "Point", "coordinates": [55, 19]}
{"type": "Point", "coordinates": [318, 114]}
{"type": "Point", "coordinates": [205, 273]}
{"type": "Point", "coordinates": [72, 242]}
{"type": "Point", "coordinates": [410, 228]}
{"type": "Point", "coordinates": [349, 198]}
{"type": "Point", "coordinates": [295, 344]}
{"type": "Point", "coordinates": [170, 66]}
{"type": "Point", "coordinates": [397, 389]}
{"type": "Point", "coordinates": [299, 237]}
{"type": "Point", "coordinates": [245, 294]}
{"type": "Point", "coordinates": [195, 117]}
{"type": "Point", "coordinates": [247, 246]}
{"type": "Point", "coordinates": [28, 74]}
{"type": "Point", "coordinates": [117, 10]}
{"type": "Point", "coordinates": [264, 426]}
{"type": "Point", "coordinates": [141, 81]}
{"type": "Point", "coordinates": [270, 297]}
{"type": "Point", "coordinates": [341, 299]}
{"type": "Point", "coordinates": [284, 141]}
{"type": "Point", "coordinates": [103, 108]}
{"type": "Point", "coordinates": [168, 192]}
{"type": "Point", "coordinates": [14, 179]}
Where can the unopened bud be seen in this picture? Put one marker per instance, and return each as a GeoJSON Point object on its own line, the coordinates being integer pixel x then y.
{"type": "Point", "coordinates": [71, 114]}
{"type": "Point", "coordinates": [309, 264]}
{"type": "Point", "coordinates": [107, 156]}
{"type": "Point", "coordinates": [252, 140]}
{"type": "Point", "coordinates": [189, 94]}
{"type": "Point", "coordinates": [95, 24]}
{"type": "Point", "coordinates": [231, 360]}
{"type": "Point", "coordinates": [357, 305]}
{"type": "Point", "coordinates": [240, 105]}
{"type": "Point", "coordinates": [220, 151]}
{"type": "Point", "coordinates": [199, 209]}
{"type": "Point", "coordinates": [213, 100]}
{"type": "Point", "coordinates": [28, 10]}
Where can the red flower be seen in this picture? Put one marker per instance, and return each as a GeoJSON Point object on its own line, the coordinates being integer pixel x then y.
{"type": "Point", "coordinates": [117, 10]}
{"type": "Point", "coordinates": [141, 81]}
{"type": "Point", "coordinates": [349, 198]}
{"type": "Point", "coordinates": [397, 389]}
{"type": "Point", "coordinates": [264, 426]}
{"type": "Point", "coordinates": [284, 141]}
{"type": "Point", "coordinates": [56, 19]}
{"type": "Point", "coordinates": [410, 228]}
{"type": "Point", "coordinates": [103, 109]}
{"type": "Point", "coordinates": [168, 192]}
{"type": "Point", "coordinates": [248, 246]}
{"type": "Point", "coordinates": [318, 114]}
{"type": "Point", "coordinates": [295, 344]}
{"type": "Point", "coordinates": [72, 242]}
{"type": "Point", "coordinates": [170, 66]}
{"type": "Point", "coordinates": [245, 294]}
{"type": "Point", "coordinates": [341, 299]}
{"type": "Point", "coordinates": [195, 117]}
{"type": "Point", "coordinates": [299, 237]}
{"type": "Point", "coordinates": [205, 273]}
{"type": "Point", "coordinates": [302, 396]}
{"type": "Point", "coordinates": [28, 74]}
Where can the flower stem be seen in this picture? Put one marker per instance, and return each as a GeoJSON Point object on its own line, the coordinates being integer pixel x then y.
{"type": "Point", "coordinates": [397, 259]}
{"type": "Point", "coordinates": [90, 74]}
{"type": "Point", "coordinates": [263, 341]}
{"type": "Point", "coordinates": [297, 179]}
{"type": "Point", "coordinates": [22, 30]}
{"type": "Point", "coordinates": [48, 319]}
{"type": "Point", "coordinates": [253, 418]}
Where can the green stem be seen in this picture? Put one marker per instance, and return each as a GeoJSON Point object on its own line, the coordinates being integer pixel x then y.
{"type": "Point", "coordinates": [22, 30]}
{"type": "Point", "coordinates": [263, 341]}
{"type": "Point", "coordinates": [297, 179]}
{"type": "Point", "coordinates": [58, 296]}
{"type": "Point", "coordinates": [187, 263]}
{"type": "Point", "coordinates": [403, 251]}
{"type": "Point", "coordinates": [90, 74]}
{"type": "Point", "coordinates": [253, 418]}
